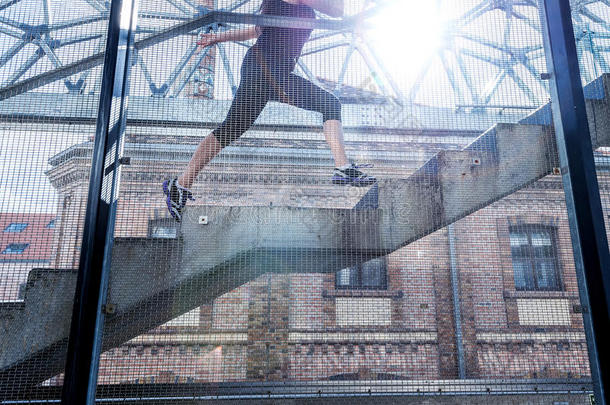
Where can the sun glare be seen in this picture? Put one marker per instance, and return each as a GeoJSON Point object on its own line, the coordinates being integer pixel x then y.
{"type": "Point", "coordinates": [405, 34]}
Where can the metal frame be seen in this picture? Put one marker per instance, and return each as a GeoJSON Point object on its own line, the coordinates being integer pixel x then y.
{"type": "Point", "coordinates": [459, 51]}
{"type": "Point", "coordinates": [329, 391]}
{"type": "Point", "coordinates": [582, 194]}
{"type": "Point", "coordinates": [585, 215]}
{"type": "Point", "coordinates": [85, 340]}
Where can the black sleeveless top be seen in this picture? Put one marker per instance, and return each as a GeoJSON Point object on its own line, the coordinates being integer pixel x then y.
{"type": "Point", "coordinates": [284, 42]}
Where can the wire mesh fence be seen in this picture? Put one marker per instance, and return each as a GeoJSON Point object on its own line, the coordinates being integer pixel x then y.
{"type": "Point", "coordinates": [44, 125]}
{"type": "Point", "coordinates": [378, 207]}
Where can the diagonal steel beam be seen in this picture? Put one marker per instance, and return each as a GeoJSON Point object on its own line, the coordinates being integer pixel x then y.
{"type": "Point", "coordinates": [78, 21]}
{"type": "Point", "coordinates": [227, 67]}
{"type": "Point", "coordinates": [14, 50]}
{"type": "Point", "coordinates": [348, 56]}
{"type": "Point", "coordinates": [11, 33]}
{"type": "Point", "coordinates": [8, 3]}
{"type": "Point", "coordinates": [11, 23]}
{"type": "Point", "coordinates": [388, 76]}
{"type": "Point", "coordinates": [50, 54]}
{"type": "Point", "coordinates": [96, 5]}
{"type": "Point", "coordinates": [451, 76]}
{"type": "Point", "coordinates": [31, 61]}
{"type": "Point", "coordinates": [190, 72]}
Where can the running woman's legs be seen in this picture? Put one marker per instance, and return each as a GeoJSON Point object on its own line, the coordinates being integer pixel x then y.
{"type": "Point", "coordinates": [249, 100]}
{"type": "Point", "coordinates": [206, 151]}
{"type": "Point", "coordinates": [260, 83]}
{"type": "Point", "coordinates": [302, 93]}
{"type": "Point", "coordinates": [333, 133]}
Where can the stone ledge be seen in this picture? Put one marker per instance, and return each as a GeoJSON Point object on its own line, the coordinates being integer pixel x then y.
{"type": "Point", "coordinates": [394, 294]}
{"type": "Point", "coordinates": [540, 294]}
{"type": "Point", "coordinates": [535, 337]}
{"type": "Point", "coordinates": [362, 337]}
{"type": "Point", "coordinates": [191, 339]}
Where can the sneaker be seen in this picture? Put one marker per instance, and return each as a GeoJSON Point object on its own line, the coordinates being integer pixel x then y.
{"type": "Point", "coordinates": [352, 176]}
{"type": "Point", "coordinates": [177, 196]}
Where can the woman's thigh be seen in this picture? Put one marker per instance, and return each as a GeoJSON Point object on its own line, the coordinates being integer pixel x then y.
{"type": "Point", "coordinates": [302, 93]}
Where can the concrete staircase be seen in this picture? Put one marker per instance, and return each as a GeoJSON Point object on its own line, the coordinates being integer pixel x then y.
{"type": "Point", "coordinates": [154, 280]}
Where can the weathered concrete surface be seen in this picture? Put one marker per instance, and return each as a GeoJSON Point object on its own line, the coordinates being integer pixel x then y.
{"type": "Point", "coordinates": [37, 325]}
{"type": "Point", "coordinates": [155, 280]}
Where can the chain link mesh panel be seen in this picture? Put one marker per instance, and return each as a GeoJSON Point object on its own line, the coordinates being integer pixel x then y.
{"type": "Point", "coordinates": [440, 264]}
{"type": "Point", "coordinates": [49, 100]}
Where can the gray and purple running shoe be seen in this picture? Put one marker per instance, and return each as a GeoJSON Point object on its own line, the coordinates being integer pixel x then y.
{"type": "Point", "coordinates": [352, 176]}
{"type": "Point", "coordinates": [177, 196]}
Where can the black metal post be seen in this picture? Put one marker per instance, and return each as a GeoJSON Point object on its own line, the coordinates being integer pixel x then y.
{"type": "Point", "coordinates": [84, 343]}
{"type": "Point", "coordinates": [585, 213]}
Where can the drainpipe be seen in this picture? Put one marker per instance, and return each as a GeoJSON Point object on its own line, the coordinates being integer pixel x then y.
{"type": "Point", "coordinates": [457, 310]}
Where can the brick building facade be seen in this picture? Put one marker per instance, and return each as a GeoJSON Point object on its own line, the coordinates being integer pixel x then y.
{"type": "Point", "coordinates": [509, 267]}
{"type": "Point", "coordinates": [26, 242]}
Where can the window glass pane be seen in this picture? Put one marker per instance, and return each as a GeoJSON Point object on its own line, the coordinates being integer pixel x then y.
{"type": "Point", "coordinates": [344, 278]}
{"type": "Point", "coordinates": [518, 239]}
{"type": "Point", "coordinates": [541, 238]}
{"type": "Point", "coordinates": [546, 275]}
{"type": "Point", "coordinates": [15, 248]}
{"type": "Point", "coordinates": [524, 279]}
{"type": "Point", "coordinates": [374, 274]}
{"type": "Point", "coordinates": [16, 227]}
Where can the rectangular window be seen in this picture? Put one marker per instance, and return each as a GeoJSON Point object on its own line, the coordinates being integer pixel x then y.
{"type": "Point", "coordinates": [371, 275]}
{"type": "Point", "coordinates": [534, 255]}
{"type": "Point", "coordinates": [15, 248]}
{"type": "Point", "coordinates": [16, 227]}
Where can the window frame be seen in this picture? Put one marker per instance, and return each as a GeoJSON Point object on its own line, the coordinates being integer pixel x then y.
{"type": "Point", "coordinates": [17, 225]}
{"type": "Point", "coordinates": [356, 282]}
{"type": "Point", "coordinates": [528, 254]}
{"type": "Point", "coordinates": [6, 252]}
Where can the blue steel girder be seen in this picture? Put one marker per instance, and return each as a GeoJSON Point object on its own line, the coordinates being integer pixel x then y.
{"type": "Point", "coordinates": [7, 3]}
{"type": "Point", "coordinates": [153, 29]}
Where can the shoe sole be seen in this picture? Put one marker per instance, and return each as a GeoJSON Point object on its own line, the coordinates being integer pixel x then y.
{"type": "Point", "coordinates": [354, 183]}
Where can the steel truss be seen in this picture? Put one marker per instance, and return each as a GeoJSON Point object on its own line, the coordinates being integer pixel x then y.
{"type": "Point", "coordinates": [35, 55]}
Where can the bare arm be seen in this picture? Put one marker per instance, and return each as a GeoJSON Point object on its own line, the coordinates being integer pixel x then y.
{"type": "Point", "coordinates": [232, 35]}
{"type": "Point", "coordinates": [333, 8]}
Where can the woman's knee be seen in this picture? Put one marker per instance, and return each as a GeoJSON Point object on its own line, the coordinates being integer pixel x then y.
{"type": "Point", "coordinates": [226, 133]}
{"type": "Point", "coordinates": [332, 108]}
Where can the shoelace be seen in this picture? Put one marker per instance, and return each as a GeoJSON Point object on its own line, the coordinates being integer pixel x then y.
{"type": "Point", "coordinates": [184, 192]}
{"type": "Point", "coordinates": [189, 195]}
